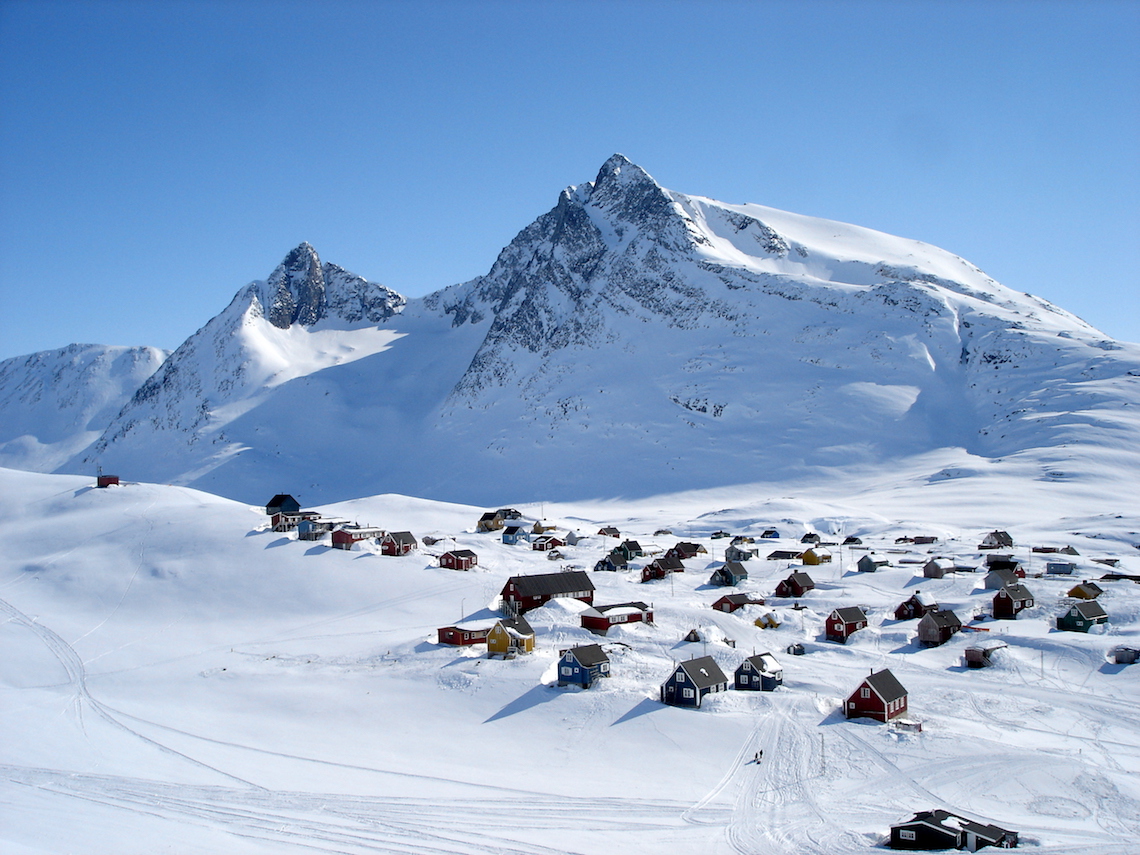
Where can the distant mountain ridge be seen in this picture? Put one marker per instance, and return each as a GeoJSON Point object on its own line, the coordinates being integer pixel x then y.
{"type": "Point", "coordinates": [630, 341]}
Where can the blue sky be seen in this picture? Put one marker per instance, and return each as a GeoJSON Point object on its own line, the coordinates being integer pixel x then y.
{"type": "Point", "coordinates": [155, 157]}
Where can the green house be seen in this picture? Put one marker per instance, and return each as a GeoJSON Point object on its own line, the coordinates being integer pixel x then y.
{"type": "Point", "coordinates": [1081, 616]}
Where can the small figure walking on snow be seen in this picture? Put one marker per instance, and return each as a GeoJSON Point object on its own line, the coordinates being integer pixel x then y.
{"type": "Point", "coordinates": [758, 756]}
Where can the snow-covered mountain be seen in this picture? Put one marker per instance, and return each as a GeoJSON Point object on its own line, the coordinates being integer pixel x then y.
{"type": "Point", "coordinates": [54, 404]}
{"type": "Point", "coordinates": [631, 341]}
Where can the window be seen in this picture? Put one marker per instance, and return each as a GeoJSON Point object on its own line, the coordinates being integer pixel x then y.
{"type": "Point", "coordinates": [567, 670]}
{"type": "Point", "coordinates": [605, 667]}
{"type": "Point", "coordinates": [906, 834]}
{"type": "Point", "coordinates": [864, 693]}
{"type": "Point", "coordinates": [686, 693]}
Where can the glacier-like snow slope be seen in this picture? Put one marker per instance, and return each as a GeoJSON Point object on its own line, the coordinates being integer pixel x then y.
{"type": "Point", "coordinates": [631, 341]}
{"type": "Point", "coordinates": [177, 678]}
{"type": "Point", "coordinates": [54, 404]}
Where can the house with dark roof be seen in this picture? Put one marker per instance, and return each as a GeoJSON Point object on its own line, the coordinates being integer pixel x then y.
{"type": "Point", "coordinates": [783, 555]}
{"type": "Point", "coordinates": [770, 534]}
{"type": "Point", "coordinates": [810, 537]}
{"type": "Point", "coordinates": [684, 550]}
{"type": "Point", "coordinates": [796, 585]}
{"type": "Point", "coordinates": [459, 559]}
{"type": "Point", "coordinates": [999, 577]}
{"type": "Point", "coordinates": [659, 568]}
{"type": "Point", "coordinates": [583, 665]}
{"type": "Point", "coordinates": [880, 696]}
{"type": "Point", "coordinates": [513, 533]}
{"type": "Point", "coordinates": [940, 829]}
{"type": "Point", "coordinates": [523, 593]}
{"type": "Point", "coordinates": [937, 626]}
{"type": "Point", "coordinates": [996, 540]}
{"type": "Point", "coordinates": [398, 543]}
{"type": "Point", "coordinates": [282, 503]}
{"type": "Point", "coordinates": [1011, 600]}
{"type": "Point", "coordinates": [1060, 568]}
{"type": "Point", "coordinates": [732, 602]}
{"type": "Point", "coordinates": [546, 542]}
{"type": "Point", "coordinates": [462, 635]}
{"type": "Point", "coordinates": [759, 673]}
{"type": "Point", "coordinates": [1081, 616]}
{"type": "Point", "coordinates": [730, 574]}
{"type": "Point", "coordinates": [490, 521]}
{"type": "Point", "coordinates": [918, 605]}
{"type": "Point", "coordinates": [842, 622]}
{"type": "Point", "coordinates": [612, 562]}
{"type": "Point", "coordinates": [870, 562]}
{"type": "Point", "coordinates": [1086, 590]}
{"type": "Point", "coordinates": [609, 531]}
{"type": "Point", "coordinates": [691, 681]}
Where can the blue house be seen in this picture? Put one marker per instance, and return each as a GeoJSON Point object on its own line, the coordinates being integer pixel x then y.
{"type": "Point", "coordinates": [583, 665]}
{"type": "Point", "coordinates": [691, 681]}
{"type": "Point", "coordinates": [512, 534]}
{"type": "Point", "coordinates": [759, 673]}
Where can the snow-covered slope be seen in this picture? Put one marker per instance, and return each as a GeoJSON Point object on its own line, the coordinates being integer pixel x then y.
{"type": "Point", "coordinates": [631, 341]}
{"type": "Point", "coordinates": [177, 677]}
{"type": "Point", "coordinates": [54, 404]}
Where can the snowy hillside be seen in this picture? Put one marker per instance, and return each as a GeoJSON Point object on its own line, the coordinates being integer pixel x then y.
{"type": "Point", "coordinates": [178, 677]}
{"type": "Point", "coordinates": [54, 404]}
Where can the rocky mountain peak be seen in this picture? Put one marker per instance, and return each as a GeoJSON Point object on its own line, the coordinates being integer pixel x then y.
{"type": "Point", "coordinates": [295, 291]}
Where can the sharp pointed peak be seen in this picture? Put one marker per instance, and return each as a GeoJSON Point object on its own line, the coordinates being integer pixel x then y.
{"type": "Point", "coordinates": [621, 169]}
{"type": "Point", "coordinates": [303, 252]}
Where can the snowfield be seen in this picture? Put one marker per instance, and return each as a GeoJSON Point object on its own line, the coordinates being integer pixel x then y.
{"type": "Point", "coordinates": [178, 678]}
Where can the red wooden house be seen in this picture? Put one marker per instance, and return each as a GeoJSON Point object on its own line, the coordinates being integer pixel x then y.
{"type": "Point", "coordinates": [599, 619]}
{"type": "Point", "coordinates": [348, 536]}
{"type": "Point", "coordinates": [659, 568]}
{"type": "Point", "coordinates": [732, 602]}
{"type": "Point", "coordinates": [918, 605]}
{"type": "Point", "coordinates": [796, 585]}
{"type": "Point", "coordinates": [523, 593]}
{"type": "Point", "coordinates": [458, 559]}
{"type": "Point", "coordinates": [107, 480]}
{"type": "Point", "coordinates": [842, 622]}
{"type": "Point", "coordinates": [685, 550]}
{"type": "Point", "coordinates": [881, 697]}
{"type": "Point", "coordinates": [1010, 600]}
{"type": "Point", "coordinates": [398, 543]}
{"type": "Point", "coordinates": [547, 542]}
{"type": "Point", "coordinates": [461, 636]}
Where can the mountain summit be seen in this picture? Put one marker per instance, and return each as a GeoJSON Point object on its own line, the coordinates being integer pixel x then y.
{"type": "Point", "coordinates": [630, 341]}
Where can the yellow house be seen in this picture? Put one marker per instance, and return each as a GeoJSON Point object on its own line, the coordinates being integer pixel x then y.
{"type": "Point", "coordinates": [509, 637]}
{"type": "Point", "coordinates": [815, 556]}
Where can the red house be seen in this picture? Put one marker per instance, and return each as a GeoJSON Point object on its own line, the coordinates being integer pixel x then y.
{"type": "Point", "coordinates": [1010, 600]}
{"type": "Point", "coordinates": [599, 619]}
{"type": "Point", "coordinates": [659, 568]}
{"type": "Point", "coordinates": [398, 543]}
{"type": "Point", "coordinates": [732, 602]}
{"type": "Point", "coordinates": [349, 535]}
{"type": "Point", "coordinates": [842, 622]}
{"type": "Point", "coordinates": [523, 593]}
{"type": "Point", "coordinates": [795, 585]}
{"type": "Point", "coordinates": [917, 606]}
{"type": "Point", "coordinates": [459, 559]}
{"type": "Point", "coordinates": [107, 480]}
{"type": "Point", "coordinates": [461, 636]}
{"type": "Point", "coordinates": [881, 697]}
{"type": "Point", "coordinates": [547, 542]}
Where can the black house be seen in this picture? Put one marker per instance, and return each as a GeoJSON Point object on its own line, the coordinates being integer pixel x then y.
{"type": "Point", "coordinates": [940, 829]}
{"type": "Point", "coordinates": [282, 503]}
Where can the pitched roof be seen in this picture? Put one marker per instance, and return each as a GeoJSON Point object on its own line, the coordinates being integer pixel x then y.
{"type": "Point", "coordinates": [552, 584]}
{"type": "Point", "coordinates": [703, 671]}
{"type": "Point", "coordinates": [886, 685]}
{"type": "Point", "coordinates": [632, 607]}
{"type": "Point", "coordinates": [952, 822]}
{"type": "Point", "coordinates": [765, 663]}
{"type": "Point", "coordinates": [802, 579]}
{"type": "Point", "coordinates": [850, 614]}
{"type": "Point", "coordinates": [402, 536]}
{"type": "Point", "coordinates": [943, 618]}
{"type": "Point", "coordinates": [743, 599]}
{"type": "Point", "coordinates": [588, 655]}
{"type": "Point", "coordinates": [1090, 610]}
{"type": "Point", "coordinates": [1016, 592]}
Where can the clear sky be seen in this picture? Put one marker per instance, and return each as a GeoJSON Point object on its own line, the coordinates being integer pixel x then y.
{"type": "Point", "coordinates": [157, 156]}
